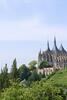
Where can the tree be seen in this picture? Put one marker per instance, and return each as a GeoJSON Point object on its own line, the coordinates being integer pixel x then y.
{"type": "Point", "coordinates": [32, 65]}
{"type": "Point", "coordinates": [34, 77]}
{"type": "Point", "coordinates": [43, 64]}
{"type": "Point", "coordinates": [24, 72]}
{"type": "Point", "coordinates": [21, 68]}
{"type": "Point", "coordinates": [4, 80]}
{"type": "Point", "coordinates": [14, 71]}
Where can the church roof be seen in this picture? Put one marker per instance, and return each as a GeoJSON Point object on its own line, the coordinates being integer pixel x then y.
{"type": "Point", "coordinates": [62, 49]}
{"type": "Point", "coordinates": [55, 49]}
{"type": "Point", "coordinates": [48, 48]}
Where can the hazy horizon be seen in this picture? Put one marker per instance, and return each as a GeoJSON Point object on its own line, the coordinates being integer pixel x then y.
{"type": "Point", "coordinates": [23, 51]}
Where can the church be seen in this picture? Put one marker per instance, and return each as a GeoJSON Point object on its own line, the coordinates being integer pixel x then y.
{"type": "Point", "coordinates": [55, 57]}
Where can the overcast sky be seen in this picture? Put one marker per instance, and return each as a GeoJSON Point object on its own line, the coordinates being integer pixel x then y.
{"type": "Point", "coordinates": [26, 22]}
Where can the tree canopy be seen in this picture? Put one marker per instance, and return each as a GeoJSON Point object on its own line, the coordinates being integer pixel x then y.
{"type": "Point", "coordinates": [32, 65]}
{"type": "Point", "coordinates": [44, 64]}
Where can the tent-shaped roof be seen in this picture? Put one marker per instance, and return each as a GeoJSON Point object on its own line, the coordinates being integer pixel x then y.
{"type": "Point", "coordinates": [62, 49]}
{"type": "Point", "coordinates": [55, 49]}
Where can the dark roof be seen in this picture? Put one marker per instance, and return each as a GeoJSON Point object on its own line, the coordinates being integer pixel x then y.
{"type": "Point", "coordinates": [55, 49]}
{"type": "Point", "coordinates": [62, 49]}
{"type": "Point", "coordinates": [48, 48]}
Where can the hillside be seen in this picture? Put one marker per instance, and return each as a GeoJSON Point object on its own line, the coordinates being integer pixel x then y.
{"type": "Point", "coordinates": [49, 89]}
{"type": "Point", "coordinates": [60, 78]}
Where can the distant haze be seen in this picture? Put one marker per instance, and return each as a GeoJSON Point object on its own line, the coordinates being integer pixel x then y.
{"type": "Point", "coordinates": [23, 51]}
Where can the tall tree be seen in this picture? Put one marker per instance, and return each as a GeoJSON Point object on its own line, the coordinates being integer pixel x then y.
{"type": "Point", "coordinates": [14, 72]}
{"type": "Point", "coordinates": [24, 72]}
{"type": "Point", "coordinates": [4, 80]}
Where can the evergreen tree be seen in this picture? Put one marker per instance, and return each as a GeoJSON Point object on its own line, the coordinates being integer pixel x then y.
{"type": "Point", "coordinates": [4, 80]}
{"type": "Point", "coordinates": [14, 71]}
{"type": "Point", "coordinates": [24, 72]}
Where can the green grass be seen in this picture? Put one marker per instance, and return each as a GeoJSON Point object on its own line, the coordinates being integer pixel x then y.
{"type": "Point", "coordinates": [60, 78]}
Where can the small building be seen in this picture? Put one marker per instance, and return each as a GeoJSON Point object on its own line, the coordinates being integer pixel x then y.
{"type": "Point", "coordinates": [46, 71]}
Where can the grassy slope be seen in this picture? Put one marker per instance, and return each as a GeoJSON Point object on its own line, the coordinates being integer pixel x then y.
{"type": "Point", "coordinates": [60, 78]}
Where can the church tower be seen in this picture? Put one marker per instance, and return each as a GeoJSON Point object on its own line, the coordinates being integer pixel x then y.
{"type": "Point", "coordinates": [39, 57]}
{"type": "Point", "coordinates": [48, 48]}
{"type": "Point", "coordinates": [55, 49]}
{"type": "Point", "coordinates": [62, 49]}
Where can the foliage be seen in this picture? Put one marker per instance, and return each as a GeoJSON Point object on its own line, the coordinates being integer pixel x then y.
{"type": "Point", "coordinates": [14, 72]}
{"type": "Point", "coordinates": [44, 64]}
{"type": "Point", "coordinates": [24, 72]}
{"type": "Point", "coordinates": [32, 86]}
{"type": "Point", "coordinates": [34, 77]}
{"type": "Point", "coordinates": [37, 91]}
{"type": "Point", "coordinates": [4, 80]}
{"type": "Point", "coordinates": [32, 65]}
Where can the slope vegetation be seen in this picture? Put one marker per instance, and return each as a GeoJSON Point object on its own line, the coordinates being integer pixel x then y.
{"type": "Point", "coordinates": [60, 78]}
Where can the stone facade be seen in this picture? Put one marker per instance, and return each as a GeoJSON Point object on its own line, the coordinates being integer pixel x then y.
{"type": "Point", "coordinates": [46, 71]}
{"type": "Point", "coordinates": [55, 57]}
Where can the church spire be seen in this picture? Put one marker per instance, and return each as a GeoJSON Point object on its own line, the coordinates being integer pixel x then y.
{"type": "Point", "coordinates": [55, 41]}
{"type": "Point", "coordinates": [62, 49]}
{"type": "Point", "coordinates": [55, 49]}
{"type": "Point", "coordinates": [40, 52]}
{"type": "Point", "coordinates": [39, 57]}
{"type": "Point", "coordinates": [48, 48]}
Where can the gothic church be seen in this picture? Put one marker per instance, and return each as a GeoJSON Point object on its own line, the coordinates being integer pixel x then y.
{"type": "Point", "coordinates": [55, 57]}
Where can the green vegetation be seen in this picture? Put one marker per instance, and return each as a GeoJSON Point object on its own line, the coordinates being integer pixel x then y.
{"type": "Point", "coordinates": [60, 78]}
{"type": "Point", "coordinates": [24, 72]}
{"type": "Point", "coordinates": [4, 79]}
{"type": "Point", "coordinates": [38, 91]}
{"type": "Point", "coordinates": [24, 83]}
{"type": "Point", "coordinates": [44, 64]}
{"type": "Point", "coordinates": [14, 72]}
{"type": "Point", "coordinates": [32, 65]}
